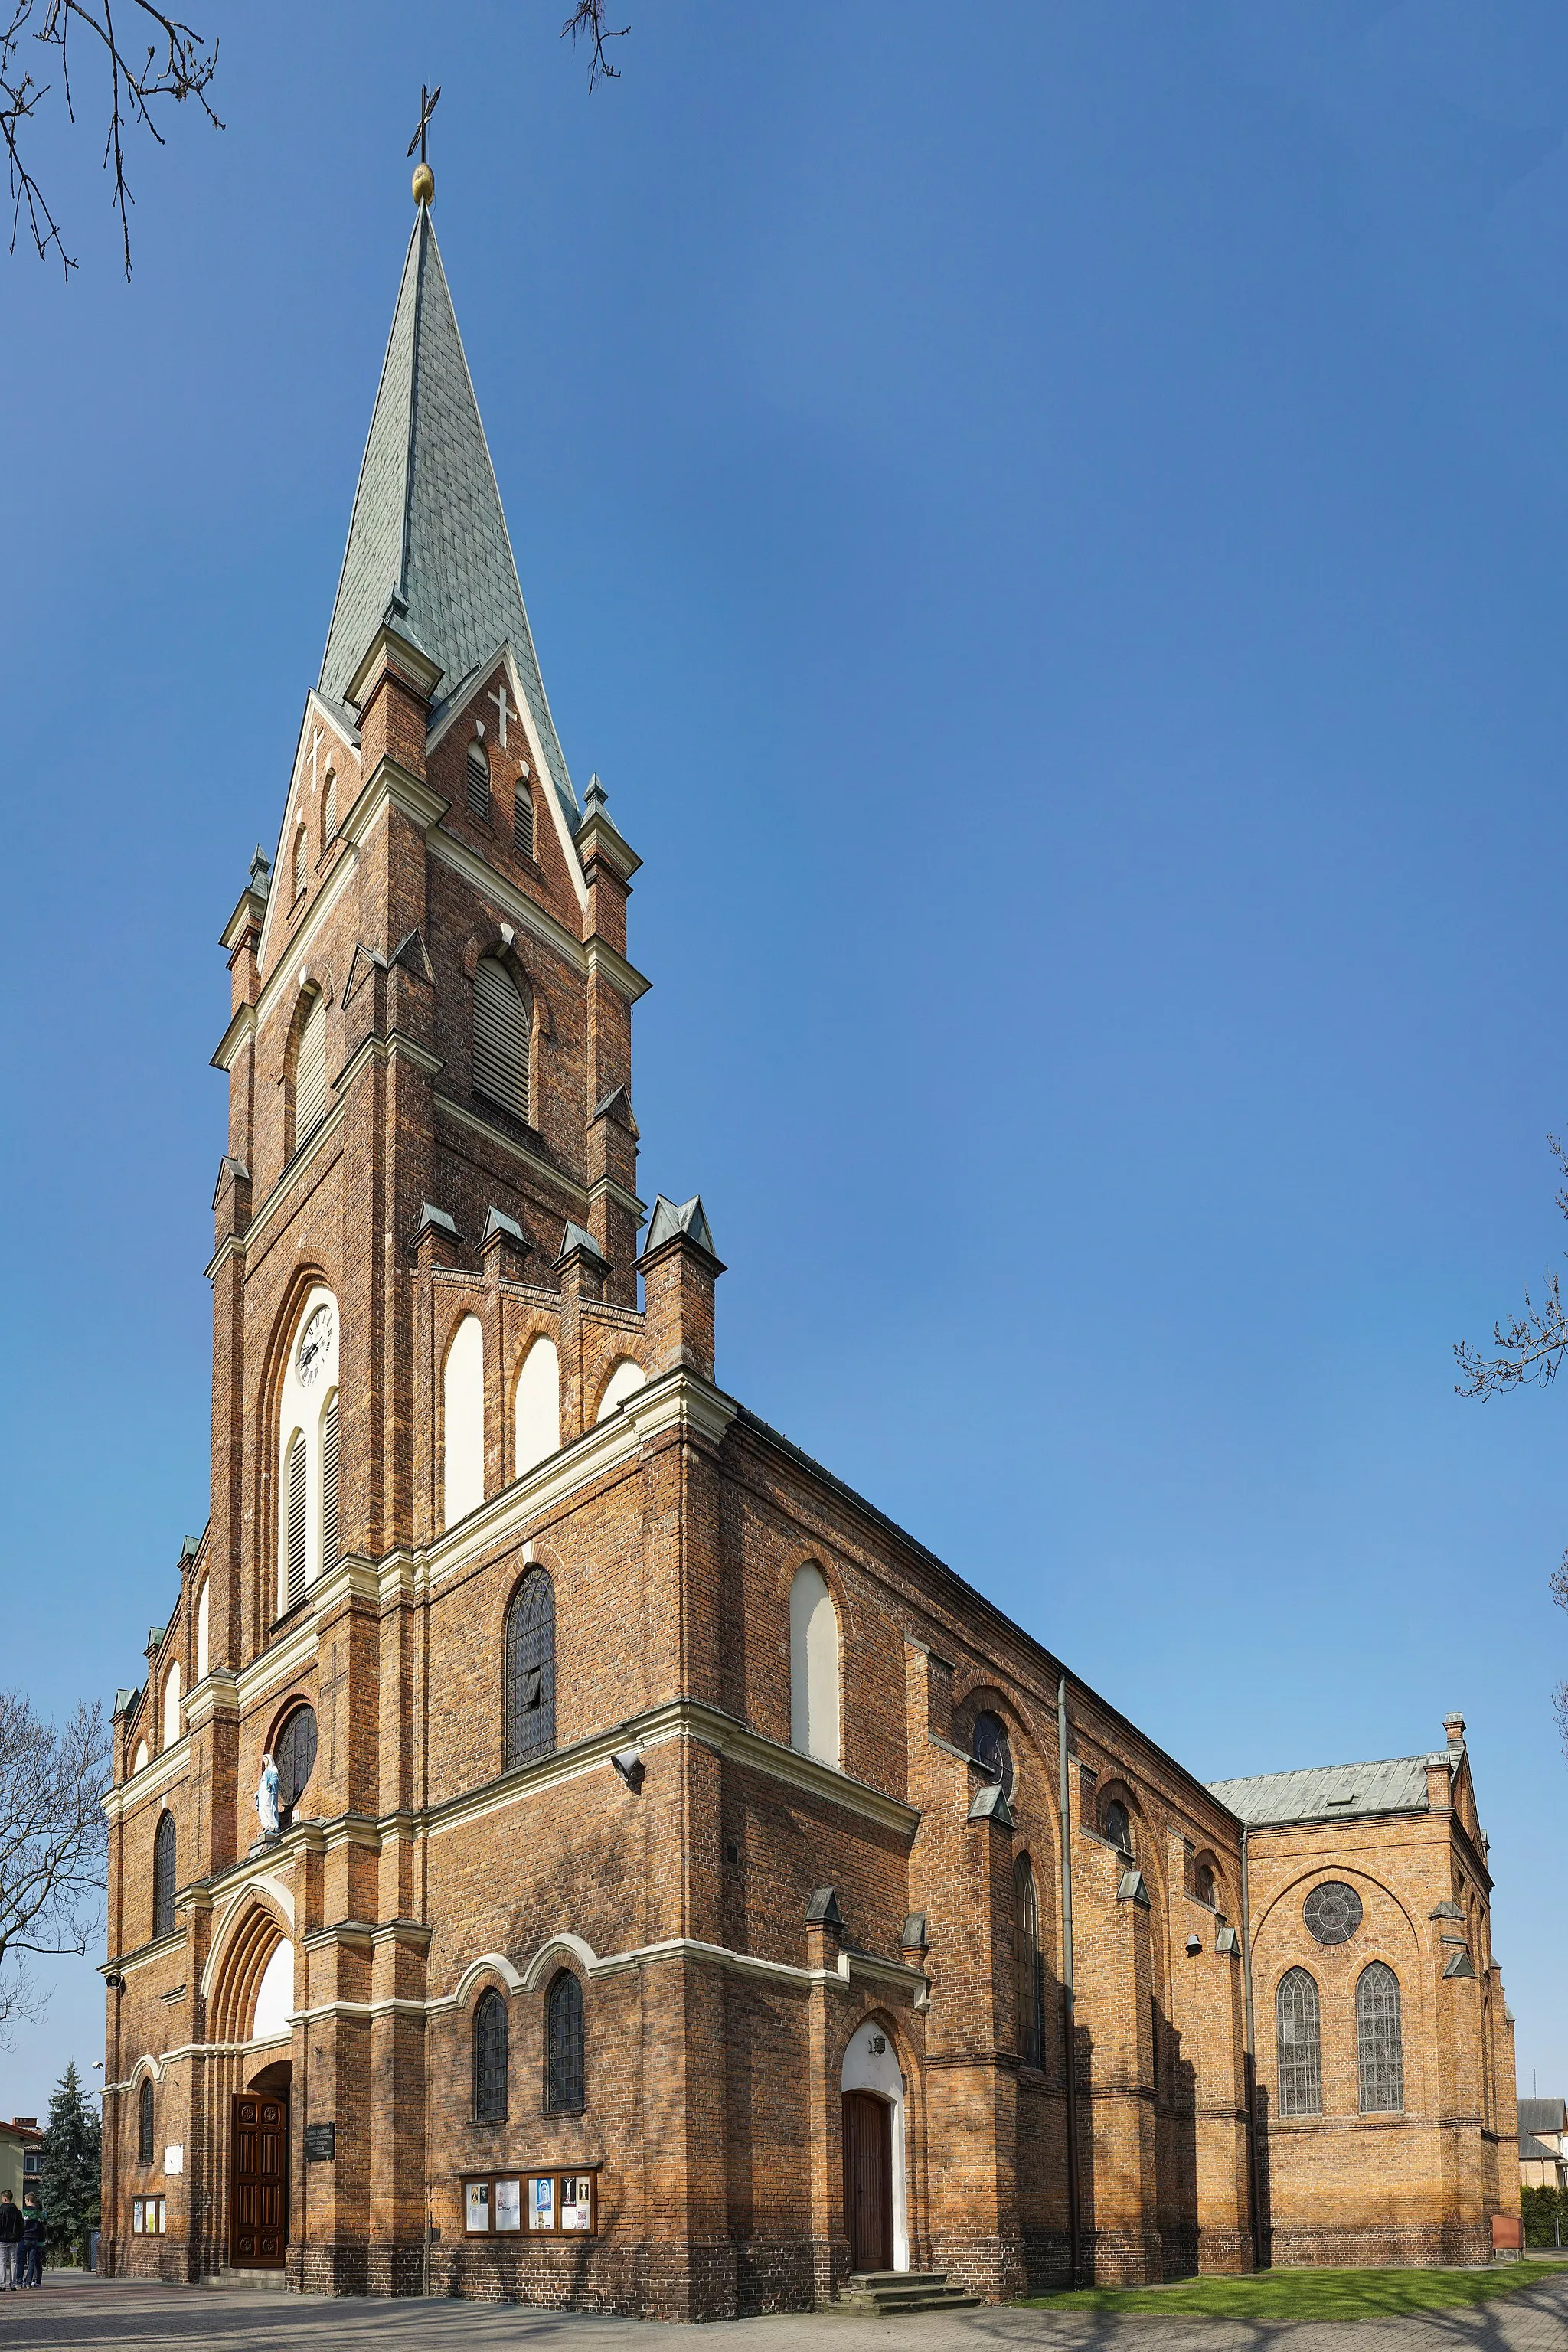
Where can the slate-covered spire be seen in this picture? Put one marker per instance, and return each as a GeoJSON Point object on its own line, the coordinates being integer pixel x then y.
{"type": "Point", "coordinates": [427, 525]}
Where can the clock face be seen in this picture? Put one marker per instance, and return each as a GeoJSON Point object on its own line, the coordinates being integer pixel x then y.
{"type": "Point", "coordinates": [314, 1341]}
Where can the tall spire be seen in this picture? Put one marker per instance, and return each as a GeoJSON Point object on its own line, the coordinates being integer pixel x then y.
{"type": "Point", "coordinates": [427, 526]}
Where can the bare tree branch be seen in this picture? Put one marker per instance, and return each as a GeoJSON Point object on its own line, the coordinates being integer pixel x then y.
{"type": "Point", "coordinates": [179, 64]}
{"type": "Point", "coordinates": [53, 1840]}
{"type": "Point", "coordinates": [587, 18]}
{"type": "Point", "coordinates": [1530, 1346]}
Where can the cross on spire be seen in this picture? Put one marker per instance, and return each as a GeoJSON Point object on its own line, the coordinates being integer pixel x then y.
{"type": "Point", "coordinates": [427, 108]}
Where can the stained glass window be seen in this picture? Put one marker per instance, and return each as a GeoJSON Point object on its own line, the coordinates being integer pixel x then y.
{"type": "Point", "coordinates": [489, 2058]}
{"type": "Point", "coordinates": [527, 1671]}
{"type": "Point", "coordinates": [1380, 2054]}
{"type": "Point", "coordinates": [163, 1876]}
{"type": "Point", "coordinates": [144, 2121]}
{"type": "Point", "coordinates": [1332, 1913]}
{"type": "Point", "coordinates": [1115, 1826]}
{"type": "Point", "coordinates": [564, 2070]}
{"type": "Point", "coordinates": [991, 1751]}
{"type": "Point", "coordinates": [1031, 1966]}
{"type": "Point", "coordinates": [1300, 2047]}
{"type": "Point", "coordinates": [295, 1757]}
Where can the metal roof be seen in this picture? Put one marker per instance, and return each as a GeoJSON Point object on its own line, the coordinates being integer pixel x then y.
{"type": "Point", "coordinates": [1324, 1791]}
{"type": "Point", "coordinates": [427, 524]}
{"type": "Point", "coordinates": [1535, 2151]}
{"type": "Point", "coordinates": [1543, 2116]}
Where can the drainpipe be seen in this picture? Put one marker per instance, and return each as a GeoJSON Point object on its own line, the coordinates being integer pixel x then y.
{"type": "Point", "coordinates": [1248, 2065]}
{"type": "Point", "coordinates": [1075, 2233]}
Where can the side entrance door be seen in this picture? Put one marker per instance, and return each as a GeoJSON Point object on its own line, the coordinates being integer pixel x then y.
{"type": "Point", "coordinates": [260, 2216]}
{"type": "Point", "coordinates": [869, 2180]}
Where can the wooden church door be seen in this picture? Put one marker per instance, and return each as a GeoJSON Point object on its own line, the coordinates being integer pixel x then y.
{"type": "Point", "coordinates": [260, 2212]}
{"type": "Point", "coordinates": [869, 2180]}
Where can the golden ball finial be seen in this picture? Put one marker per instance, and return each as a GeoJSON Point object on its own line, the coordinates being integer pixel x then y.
{"type": "Point", "coordinates": [424, 185]}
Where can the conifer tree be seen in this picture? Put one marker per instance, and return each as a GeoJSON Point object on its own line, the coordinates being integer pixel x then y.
{"type": "Point", "coordinates": [71, 2163]}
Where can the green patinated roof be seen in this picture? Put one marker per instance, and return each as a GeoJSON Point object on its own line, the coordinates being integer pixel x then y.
{"type": "Point", "coordinates": [427, 524]}
{"type": "Point", "coordinates": [1397, 1784]}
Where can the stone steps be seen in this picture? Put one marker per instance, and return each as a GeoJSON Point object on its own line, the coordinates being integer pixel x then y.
{"type": "Point", "coordinates": [272, 2281]}
{"type": "Point", "coordinates": [885, 2293]}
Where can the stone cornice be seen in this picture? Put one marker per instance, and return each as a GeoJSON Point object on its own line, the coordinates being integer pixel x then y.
{"type": "Point", "coordinates": [157, 1774]}
{"type": "Point", "coordinates": [544, 1172]}
{"type": "Point", "coordinates": [513, 903]}
{"type": "Point", "coordinates": [241, 1244]}
{"type": "Point", "coordinates": [395, 1046]}
{"type": "Point", "coordinates": [624, 978]}
{"type": "Point", "coordinates": [240, 1030]}
{"type": "Point", "coordinates": [216, 1693]}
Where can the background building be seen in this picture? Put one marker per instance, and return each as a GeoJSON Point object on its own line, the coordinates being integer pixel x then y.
{"type": "Point", "coordinates": [686, 1891]}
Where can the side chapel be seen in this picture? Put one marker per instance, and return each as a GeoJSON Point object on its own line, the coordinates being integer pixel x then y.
{"type": "Point", "coordinates": [688, 1897]}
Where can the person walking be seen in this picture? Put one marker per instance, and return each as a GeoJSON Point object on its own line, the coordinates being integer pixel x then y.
{"type": "Point", "coordinates": [32, 2240]}
{"type": "Point", "coordinates": [11, 2226]}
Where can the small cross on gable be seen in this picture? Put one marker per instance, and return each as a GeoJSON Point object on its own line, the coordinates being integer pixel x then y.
{"type": "Point", "coordinates": [503, 710]}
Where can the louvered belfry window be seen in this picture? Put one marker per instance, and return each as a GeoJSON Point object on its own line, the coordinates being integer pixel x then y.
{"type": "Point", "coordinates": [564, 2074]}
{"type": "Point", "coordinates": [500, 1038]}
{"type": "Point", "coordinates": [145, 2135]}
{"type": "Point", "coordinates": [522, 818]}
{"type": "Point", "coordinates": [1300, 2048]}
{"type": "Point", "coordinates": [1379, 2041]}
{"type": "Point", "coordinates": [311, 1072]}
{"type": "Point", "coordinates": [528, 1670]}
{"type": "Point", "coordinates": [478, 779]}
{"type": "Point", "coordinates": [329, 1484]}
{"type": "Point", "coordinates": [163, 1876]}
{"type": "Point", "coordinates": [294, 1530]}
{"type": "Point", "coordinates": [489, 2058]}
{"type": "Point", "coordinates": [329, 810]}
{"type": "Point", "coordinates": [299, 863]}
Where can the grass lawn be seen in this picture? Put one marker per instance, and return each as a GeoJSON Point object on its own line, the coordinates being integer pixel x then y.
{"type": "Point", "coordinates": [1307, 2294]}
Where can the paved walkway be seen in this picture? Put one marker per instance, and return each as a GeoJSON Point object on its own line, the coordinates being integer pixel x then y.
{"type": "Point", "coordinates": [77, 2315]}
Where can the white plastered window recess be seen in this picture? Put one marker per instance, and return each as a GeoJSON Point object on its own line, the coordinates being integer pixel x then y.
{"type": "Point", "coordinates": [463, 1422]}
{"type": "Point", "coordinates": [306, 1450]}
{"type": "Point", "coordinates": [537, 1406]}
{"type": "Point", "coordinates": [814, 1693]}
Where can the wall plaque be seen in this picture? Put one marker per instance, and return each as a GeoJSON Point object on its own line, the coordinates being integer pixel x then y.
{"type": "Point", "coordinates": [321, 2143]}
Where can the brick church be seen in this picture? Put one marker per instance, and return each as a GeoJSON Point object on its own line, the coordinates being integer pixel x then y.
{"type": "Point", "coordinates": [564, 1842]}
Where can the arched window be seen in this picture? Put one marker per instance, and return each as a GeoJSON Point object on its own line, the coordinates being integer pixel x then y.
{"type": "Point", "coordinates": [1379, 2044]}
{"type": "Point", "coordinates": [172, 1704]}
{"type": "Point", "coordinates": [527, 1671]}
{"type": "Point", "coordinates": [163, 1876]}
{"type": "Point", "coordinates": [294, 1754]}
{"type": "Point", "coordinates": [537, 1406]}
{"type": "Point", "coordinates": [1116, 1825]}
{"type": "Point", "coordinates": [1300, 2047]}
{"type": "Point", "coordinates": [565, 2079]}
{"type": "Point", "coordinates": [204, 1630]}
{"type": "Point", "coordinates": [294, 1517]}
{"type": "Point", "coordinates": [1031, 1965]}
{"type": "Point", "coordinates": [479, 781]}
{"type": "Point", "coordinates": [1202, 1883]}
{"type": "Point", "coordinates": [145, 2136]}
{"type": "Point", "coordinates": [329, 1483]}
{"type": "Point", "coordinates": [463, 1400]}
{"type": "Point", "coordinates": [140, 1760]}
{"type": "Point", "coordinates": [489, 2058]}
{"type": "Point", "coordinates": [623, 1383]}
{"type": "Point", "coordinates": [813, 1666]}
{"type": "Point", "coordinates": [522, 817]}
{"type": "Point", "coordinates": [991, 1749]}
{"type": "Point", "coordinates": [500, 1038]}
{"type": "Point", "coordinates": [300, 863]}
{"type": "Point", "coordinates": [329, 810]}
{"type": "Point", "coordinates": [311, 1070]}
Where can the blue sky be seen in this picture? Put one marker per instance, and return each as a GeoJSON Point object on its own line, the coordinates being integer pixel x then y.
{"type": "Point", "coordinates": [1050, 522]}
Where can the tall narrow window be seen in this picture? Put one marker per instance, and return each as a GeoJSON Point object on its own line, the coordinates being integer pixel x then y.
{"type": "Point", "coordinates": [144, 2133]}
{"type": "Point", "coordinates": [528, 1670]}
{"type": "Point", "coordinates": [329, 1484]}
{"type": "Point", "coordinates": [537, 1407]}
{"type": "Point", "coordinates": [1031, 1966]}
{"type": "Point", "coordinates": [311, 1071]}
{"type": "Point", "coordinates": [172, 1704]}
{"type": "Point", "coordinates": [204, 1629]}
{"type": "Point", "coordinates": [463, 1416]}
{"type": "Point", "coordinates": [522, 817]}
{"type": "Point", "coordinates": [299, 856]}
{"type": "Point", "coordinates": [328, 811]}
{"type": "Point", "coordinates": [478, 779]}
{"type": "Point", "coordinates": [623, 1383]}
{"type": "Point", "coordinates": [1301, 2049]}
{"type": "Point", "coordinates": [500, 1038]}
{"type": "Point", "coordinates": [564, 2084]}
{"type": "Point", "coordinates": [489, 2058]}
{"type": "Point", "coordinates": [813, 1666]}
{"type": "Point", "coordinates": [1379, 2044]}
{"type": "Point", "coordinates": [294, 1506]}
{"type": "Point", "coordinates": [163, 1876]}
